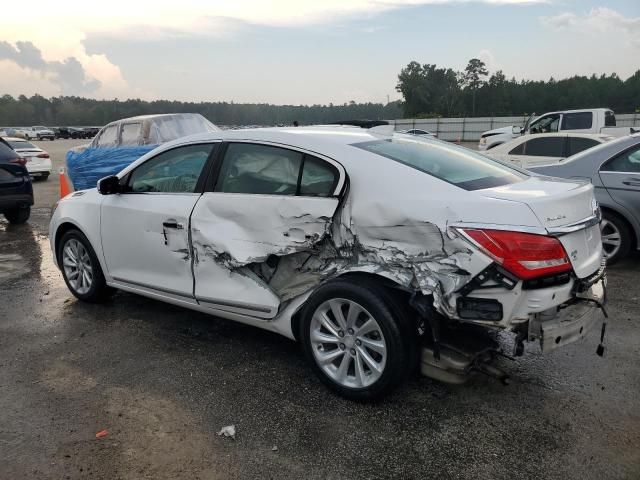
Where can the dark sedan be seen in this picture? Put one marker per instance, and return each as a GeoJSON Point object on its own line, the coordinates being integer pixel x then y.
{"type": "Point", "coordinates": [16, 192]}
{"type": "Point", "coordinates": [614, 170]}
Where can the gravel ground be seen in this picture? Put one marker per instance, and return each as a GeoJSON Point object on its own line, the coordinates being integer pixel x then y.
{"type": "Point", "coordinates": [162, 381]}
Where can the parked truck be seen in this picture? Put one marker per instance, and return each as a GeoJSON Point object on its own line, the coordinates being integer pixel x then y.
{"type": "Point", "coordinates": [595, 120]}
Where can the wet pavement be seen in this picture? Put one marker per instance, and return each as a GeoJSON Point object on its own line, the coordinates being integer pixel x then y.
{"type": "Point", "coordinates": [163, 381]}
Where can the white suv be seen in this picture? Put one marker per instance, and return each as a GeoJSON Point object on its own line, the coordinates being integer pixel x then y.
{"type": "Point", "coordinates": [39, 133]}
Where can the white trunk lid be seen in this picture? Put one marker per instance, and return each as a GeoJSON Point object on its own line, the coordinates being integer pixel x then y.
{"type": "Point", "coordinates": [560, 203]}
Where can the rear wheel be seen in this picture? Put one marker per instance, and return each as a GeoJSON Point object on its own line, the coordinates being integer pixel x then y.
{"type": "Point", "coordinates": [355, 340]}
{"type": "Point", "coordinates": [616, 237]}
{"type": "Point", "coordinates": [17, 216]}
{"type": "Point", "coordinates": [80, 268]}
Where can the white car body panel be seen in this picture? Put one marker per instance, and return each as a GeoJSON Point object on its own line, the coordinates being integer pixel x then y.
{"type": "Point", "coordinates": [394, 222]}
{"type": "Point", "coordinates": [231, 231]}
{"type": "Point", "coordinates": [133, 240]}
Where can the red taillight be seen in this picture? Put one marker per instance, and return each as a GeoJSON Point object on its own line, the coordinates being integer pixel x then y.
{"type": "Point", "coordinates": [43, 155]}
{"type": "Point", "coordinates": [526, 255]}
{"type": "Point", "coordinates": [18, 161]}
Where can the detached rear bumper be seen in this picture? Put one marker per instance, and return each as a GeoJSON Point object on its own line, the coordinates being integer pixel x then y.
{"type": "Point", "coordinates": [572, 320]}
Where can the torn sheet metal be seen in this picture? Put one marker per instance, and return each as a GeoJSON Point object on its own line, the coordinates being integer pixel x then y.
{"type": "Point", "coordinates": [291, 244]}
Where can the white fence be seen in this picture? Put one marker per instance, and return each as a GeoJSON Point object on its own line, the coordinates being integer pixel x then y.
{"type": "Point", "coordinates": [470, 129]}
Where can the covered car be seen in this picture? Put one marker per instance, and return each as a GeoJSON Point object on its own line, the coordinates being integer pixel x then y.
{"type": "Point", "coordinates": [120, 143]}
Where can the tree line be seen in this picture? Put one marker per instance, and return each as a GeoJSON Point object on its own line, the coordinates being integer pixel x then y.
{"type": "Point", "coordinates": [432, 91]}
{"type": "Point", "coordinates": [77, 111]}
{"type": "Point", "coordinates": [427, 91]}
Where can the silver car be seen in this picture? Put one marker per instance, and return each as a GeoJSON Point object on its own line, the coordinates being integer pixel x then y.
{"type": "Point", "coordinates": [614, 171]}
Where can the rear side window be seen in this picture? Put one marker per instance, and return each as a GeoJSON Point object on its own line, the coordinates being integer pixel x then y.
{"type": "Point", "coordinates": [577, 121]}
{"type": "Point", "coordinates": [267, 170]}
{"type": "Point", "coordinates": [318, 179]}
{"type": "Point", "coordinates": [108, 137]}
{"type": "Point", "coordinates": [262, 169]}
{"type": "Point", "coordinates": [609, 119]}
{"type": "Point", "coordinates": [579, 144]}
{"type": "Point", "coordinates": [545, 147]}
{"type": "Point", "coordinates": [130, 134]}
{"type": "Point", "coordinates": [456, 165]}
{"type": "Point", "coordinates": [626, 162]}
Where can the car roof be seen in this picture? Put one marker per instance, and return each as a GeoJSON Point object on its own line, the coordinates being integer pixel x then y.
{"type": "Point", "coordinates": [301, 137]}
{"type": "Point", "coordinates": [148, 116]}
{"type": "Point", "coordinates": [600, 136]}
{"type": "Point", "coordinates": [581, 110]}
{"type": "Point", "coordinates": [15, 139]}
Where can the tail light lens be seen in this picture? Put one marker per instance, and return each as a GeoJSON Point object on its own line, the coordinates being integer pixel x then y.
{"type": "Point", "coordinates": [43, 155]}
{"type": "Point", "coordinates": [18, 161]}
{"type": "Point", "coordinates": [526, 255]}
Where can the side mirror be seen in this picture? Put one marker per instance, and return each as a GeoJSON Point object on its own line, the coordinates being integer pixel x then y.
{"type": "Point", "coordinates": [109, 185]}
{"type": "Point", "coordinates": [517, 130]}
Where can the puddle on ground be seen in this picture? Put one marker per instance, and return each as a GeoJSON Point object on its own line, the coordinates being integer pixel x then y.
{"type": "Point", "coordinates": [13, 265]}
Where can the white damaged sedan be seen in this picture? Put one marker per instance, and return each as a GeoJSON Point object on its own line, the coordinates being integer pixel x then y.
{"type": "Point", "coordinates": [380, 253]}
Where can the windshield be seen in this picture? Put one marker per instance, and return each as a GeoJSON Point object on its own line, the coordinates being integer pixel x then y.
{"type": "Point", "coordinates": [456, 165]}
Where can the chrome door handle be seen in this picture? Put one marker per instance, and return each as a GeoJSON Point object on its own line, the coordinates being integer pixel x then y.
{"type": "Point", "coordinates": [170, 224]}
{"type": "Point", "coordinates": [632, 182]}
{"type": "Point", "coordinates": [174, 225]}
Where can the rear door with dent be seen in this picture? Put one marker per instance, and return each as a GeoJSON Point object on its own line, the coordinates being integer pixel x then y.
{"type": "Point", "coordinates": [264, 202]}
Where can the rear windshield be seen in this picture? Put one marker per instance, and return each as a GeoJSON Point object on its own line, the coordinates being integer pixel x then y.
{"type": "Point", "coordinates": [457, 165]}
{"type": "Point", "coordinates": [21, 144]}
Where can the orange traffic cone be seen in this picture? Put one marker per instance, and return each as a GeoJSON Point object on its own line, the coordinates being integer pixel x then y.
{"type": "Point", "coordinates": [64, 184]}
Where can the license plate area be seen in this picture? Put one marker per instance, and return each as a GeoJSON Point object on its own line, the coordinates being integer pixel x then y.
{"type": "Point", "coordinates": [584, 249]}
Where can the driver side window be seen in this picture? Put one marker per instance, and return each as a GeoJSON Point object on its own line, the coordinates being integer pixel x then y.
{"type": "Point", "coordinates": [546, 124]}
{"type": "Point", "coordinates": [173, 171]}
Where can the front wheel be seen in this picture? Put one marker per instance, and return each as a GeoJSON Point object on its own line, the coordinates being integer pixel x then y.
{"type": "Point", "coordinates": [354, 340]}
{"type": "Point", "coordinates": [80, 268]}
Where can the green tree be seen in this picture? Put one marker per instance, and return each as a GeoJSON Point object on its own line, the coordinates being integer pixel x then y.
{"type": "Point", "coordinates": [473, 74]}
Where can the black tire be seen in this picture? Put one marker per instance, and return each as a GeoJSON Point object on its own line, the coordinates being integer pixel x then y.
{"type": "Point", "coordinates": [45, 177]}
{"type": "Point", "coordinates": [99, 291]}
{"type": "Point", "coordinates": [18, 216]}
{"type": "Point", "coordinates": [400, 342]}
{"type": "Point", "coordinates": [619, 224]}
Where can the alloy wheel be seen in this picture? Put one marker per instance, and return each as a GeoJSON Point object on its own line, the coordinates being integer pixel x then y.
{"type": "Point", "coordinates": [77, 266]}
{"type": "Point", "coordinates": [611, 238]}
{"type": "Point", "coordinates": [348, 343]}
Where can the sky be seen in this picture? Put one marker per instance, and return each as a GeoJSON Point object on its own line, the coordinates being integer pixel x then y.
{"type": "Point", "coordinates": [298, 51]}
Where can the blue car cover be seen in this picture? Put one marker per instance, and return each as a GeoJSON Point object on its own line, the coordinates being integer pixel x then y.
{"type": "Point", "coordinates": [87, 167]}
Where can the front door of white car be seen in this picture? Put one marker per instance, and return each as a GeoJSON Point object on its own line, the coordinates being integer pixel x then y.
{"type": "Point", "coordinates": [267, 201]}
{"type": "Point", "coordinates": [145, 229]}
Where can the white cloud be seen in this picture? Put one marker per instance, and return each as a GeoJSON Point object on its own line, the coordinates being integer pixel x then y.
{"type": "Point", "coordinates": [59, 33]}
{"type": "Point", "coordinates": [489, 60]}
{"type": "Point", "coordinates": [599, 21]}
